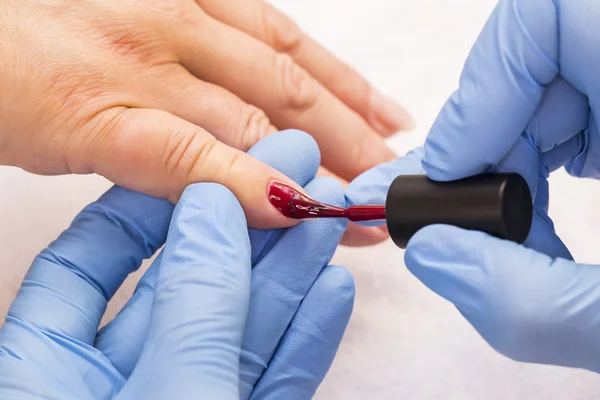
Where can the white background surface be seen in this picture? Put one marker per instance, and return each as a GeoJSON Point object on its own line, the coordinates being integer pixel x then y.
{"type": "Point", "coordinates": [403, 342]}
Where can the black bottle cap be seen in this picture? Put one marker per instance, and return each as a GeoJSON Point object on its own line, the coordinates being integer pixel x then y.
{"type": "Point", "coordinates": [498, 204]}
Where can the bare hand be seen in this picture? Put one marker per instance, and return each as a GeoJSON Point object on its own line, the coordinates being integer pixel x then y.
{"type": "Point", "coordinates": [157, 94]}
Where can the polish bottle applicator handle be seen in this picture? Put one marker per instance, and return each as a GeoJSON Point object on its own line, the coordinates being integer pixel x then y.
{"type": "Point", "coordinates": [499, 204]}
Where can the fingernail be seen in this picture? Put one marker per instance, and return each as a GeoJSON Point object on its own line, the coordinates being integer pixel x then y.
{"type": "Point", "coordinates": [292, 203]}
{"type": "Point", "coordinates": [280, 196]}
{"type": "Point", "coordinates": [388, 116]}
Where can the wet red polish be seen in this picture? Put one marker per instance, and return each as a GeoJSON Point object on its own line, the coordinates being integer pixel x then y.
{"type": "Point", "coordinates": [365, 213]}
{"type": "Point", "coordinates": [296, 205]}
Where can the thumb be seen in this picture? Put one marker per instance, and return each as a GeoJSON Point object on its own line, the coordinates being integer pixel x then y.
{"type": "Point", "coordinates": [527, 305]}
{"type": "Point", "coordinates": [200, 304]}
{"type": "Point", "coordinates": [158, 154]}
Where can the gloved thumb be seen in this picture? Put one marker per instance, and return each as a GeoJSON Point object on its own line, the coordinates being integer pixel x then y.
{"type": "Point", "coordinates": [158, 154]}
{"type": "Point", "coordinates": [527, 305]}
{"type": "Point", "coordinates": [201, 300]}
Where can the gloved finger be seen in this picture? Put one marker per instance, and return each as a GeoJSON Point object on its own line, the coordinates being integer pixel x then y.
{"type": "Point", "coordinates": [200, 302]}
{"type": "Point", "coordinates": [357, 235]}
{"type": "Point", "coordinates": [502, 83]}
{"type": "Point", "coordinates": [176, 154]}
{"type": "Point", "coordinates": [293, 153]}
{"type": "Point", "coordinates": [122, 339]}
{"type": "Point", "coordinates": [527, 305]}
{"type": "Point", "coordinates": [308, 347]}
{"type": "Point", "coordinates": [218, 111]}
{"type": "Point", "coordinates": [66, 289]}
{"type": "Point", "coordinates": [433, 243]}
{"type": "Point", "coordinates": [562, 113]}
{"type": "Point", "coordinates": [556, 129]}
{"type": "Point", "coordinates": [290, 96]}
{"type": "Point", "coordinates": [372, 186]}
{"type": "Point", "coordinates": [587, 162]}
{"type": "Point", "coordinates": [281, 280]}
{"type": "Point", "coordinates": [264, 22]}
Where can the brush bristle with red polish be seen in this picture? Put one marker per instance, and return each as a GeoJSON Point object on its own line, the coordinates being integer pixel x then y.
{"type": "Point", "coordinates": [296, 205]}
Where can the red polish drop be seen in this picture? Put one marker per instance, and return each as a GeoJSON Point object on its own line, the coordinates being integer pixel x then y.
{"type": "Point", "coordinates": [296, 205]}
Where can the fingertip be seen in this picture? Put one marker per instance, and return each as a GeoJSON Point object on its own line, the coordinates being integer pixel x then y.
{"type": "Point", "coordinates": [438, 162]}
{"type": "Point", "coordinates": [372, 186]}
{"type": "Point", "coordinates": [332, 294]}
{"type": "Point", "coordinates": [339, 279]}
{"type": "Point", "coordinates": [328, 190]}
{"type": "Point", "coordinates": [212, 196]}
{"type": "Point", "coordinates": [387, 116]}
{"type": "Point", "coordinates": [209, 208]}
{"type": "Point", "coordinates": [292, 152]}
{"type": "Point", "coordinates": [335, 286]}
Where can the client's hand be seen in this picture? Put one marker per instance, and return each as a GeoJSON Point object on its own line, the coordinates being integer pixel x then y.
{"type": "Point", "coordinates": [222, 313]}
{"type": "Point", "coordinates": [156, 95]}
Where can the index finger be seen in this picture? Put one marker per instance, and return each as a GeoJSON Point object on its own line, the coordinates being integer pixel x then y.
{"type": "Point", "coordinates": [502, 83]}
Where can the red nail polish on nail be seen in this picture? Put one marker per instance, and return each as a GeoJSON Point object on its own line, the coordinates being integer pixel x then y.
{"type": "Point", "coordinates": [294, 204]}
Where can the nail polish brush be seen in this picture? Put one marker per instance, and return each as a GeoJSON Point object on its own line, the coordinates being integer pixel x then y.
{"type": "Point", "coordinates": [499, 204]}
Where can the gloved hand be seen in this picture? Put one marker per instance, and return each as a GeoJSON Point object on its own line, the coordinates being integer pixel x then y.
{"type": "Point", "coordinates": [527, 103]}
{"type": "Point", "coordinates": [198, 324]}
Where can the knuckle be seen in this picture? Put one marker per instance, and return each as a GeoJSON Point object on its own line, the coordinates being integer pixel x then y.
{"type": "Point", "coordinates": [136, 39]}
{"type": "Point", "coordinates": [192, 151]}
{"type": "Point", "coordinates": [300, 91]}
{"type": "Point", "coordinates": [282, 33]}
{"type": "Point", "coordinates": [202, 158]}
{"type": "Point", "coordinates": [226, 165]}
{"type": "Point", "coordinates": [101, 132]}
{"type": "Point", "coordinates": [254, 125]}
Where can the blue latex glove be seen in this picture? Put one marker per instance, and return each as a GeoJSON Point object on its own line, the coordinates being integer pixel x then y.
{"type": "Point", "coordinates": [528, 102]}
{"type": "Point", "coordinates": [197, 325]}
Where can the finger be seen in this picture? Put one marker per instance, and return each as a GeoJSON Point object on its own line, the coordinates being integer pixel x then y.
{"type": "Point", "coordinates": [294, 154]}
{"type": "Point", "coordinates": [502, 83]}
{"type": "Point", "coordinates": [281, 280]}
{"type": "Point", "coordinates": [357, 235]}
{"type": "Point", "coordinates": [226, 116]}
{"type": "Point", "coordinates": [562, 113]}
{"type": "Point", "coordinates": [122, 339]}
{"type": "Point", "coordinates": [586, 163]}
{"type": "Point", "coordinates": [308, 347]}
{"type": "Point", "coordinates": [200, 302]}
{"type": "Point", "coordinates": [262, 21]}
{"type": "Point", "coordinates": [156, 153]}
{"type": "Point", "coordinates": [452, 261]}
{"type": "Point", "coordinates": [67, 288]}
{"type": "Point", "coordinates": [527, 305]}
{"type": "Point", "coordinates": [558, 125]}
{"type": "Point", "coordinates": [372, 186]}
{"type": "Point", "coordinates": [290, 96]}
{"type": "Point", "coordinates": [552, 139]}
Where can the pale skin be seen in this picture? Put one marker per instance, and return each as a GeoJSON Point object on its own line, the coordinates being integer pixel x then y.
{"type": "Point", "coordinates": [157, 94]}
